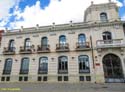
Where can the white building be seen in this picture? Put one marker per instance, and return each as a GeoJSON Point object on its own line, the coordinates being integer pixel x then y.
{"type": "Point", "coordinates": [89, 51]}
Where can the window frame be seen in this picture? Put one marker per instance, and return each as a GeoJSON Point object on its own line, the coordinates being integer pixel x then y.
{"type": "Point", "coordinates": [43, 65]}
{"type": "Point", "coordinates": [27, 44]}
{"type": "Point", "coordinates": [63, 65]}
{"type": "Point", "coordinates": [103, 17]}
{"type": "Point", "coordinates": [84, 65]}
{"type": "Point", "coordinates": [11, 46]}
{"type": "Point", "coordinates": [24, 69]}
{"type": "Point", "coordinates": [8, 67]}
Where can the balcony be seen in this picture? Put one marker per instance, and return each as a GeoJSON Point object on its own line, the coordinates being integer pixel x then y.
{"type": "Point", "coordinates": [114, 43]}
{"type": "Point", "coordinates": [62, 47]}
{"type": "Point", "coordinates": [43, 49]}
{"type": "Point", "coordinates": [63, 71]}
{"type": "Point", "coordinates": [82, 46]}
{"type": "Point", "coordinates": [9, 51]}
{"type": "Point", "coordinates": [26, 50]}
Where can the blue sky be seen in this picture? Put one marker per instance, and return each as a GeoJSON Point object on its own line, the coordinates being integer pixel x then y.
{"type": "Point", "coordinates": [28, 13]}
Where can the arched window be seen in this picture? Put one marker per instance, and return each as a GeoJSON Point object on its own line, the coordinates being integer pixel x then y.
{"type": "Point", "coordinates": [103, 17]}
{"type": "Point", "coordinates": [7, 66]}
{"type": "Point", "coordinates": [63, 64]}
{"type": "Point", "coordinates": [43, 65]}
{"type": "Point", "coordinates": [84, 64]}
{"type": "Point", "coordinates": [112, 68]}
{"type": "Point", "coordinates": [44, 41]}
{"type": "Point", "coordinates": [27, 43]}
{"type": "Point", "coordinates": [24, 66]}
{"type": "Point", "coordinates": [11, 45]}
{"type": "Point", "coordinates": [107, 36]}
{"type": "Point", "coordinates": [62, 39]}
{"type": "Point", "coordinates": [82, 38]}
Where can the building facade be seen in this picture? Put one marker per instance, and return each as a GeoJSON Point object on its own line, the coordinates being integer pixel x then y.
{"type": "Point", "coordinates": [89, 51]}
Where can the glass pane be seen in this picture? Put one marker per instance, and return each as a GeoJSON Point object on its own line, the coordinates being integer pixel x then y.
{"type": "Point", "coordinates": [62, 40]}
{"type": "Point", "coordinates": [103, 17]}
{"type": "Point", "coordinates": [107, 36]}
{"type": "Point", "coordinates": [25, 64]}
{"type": "Point", "coordinates": [43, 64]}
{"type": "Point", "coordinates": [8, 64]}
{"type": "Point", "coordinates": [82, 38]}
{"type": "Point", "coordinates": [27, 43]}
{"type": "Point", "coordinates": [63, 65]}
{"type": "Point", "coordinates": [44, 41]}
{"type": "Point", "coordinates": [83, 63]}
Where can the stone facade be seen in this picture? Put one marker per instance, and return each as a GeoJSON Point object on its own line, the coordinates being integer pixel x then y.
{"type": "Point", "coordinates": [95, 46]}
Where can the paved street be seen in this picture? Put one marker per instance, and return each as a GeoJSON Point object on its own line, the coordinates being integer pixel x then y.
{"type": "Point", "coordinates": [61, 87]}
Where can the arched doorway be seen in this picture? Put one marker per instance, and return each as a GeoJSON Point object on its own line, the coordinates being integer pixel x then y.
{"type": "Point", "coordinates": [112, 68]}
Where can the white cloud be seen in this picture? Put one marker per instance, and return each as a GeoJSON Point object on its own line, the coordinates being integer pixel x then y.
{"type": "Point", "coordinates": [58, 12]}
{"type": "Point", "coordinates": [5, 5]}
{"type": "Point", "coordinates": [124, 2]}
{"type": "Point", "coordinates": [123, 17]}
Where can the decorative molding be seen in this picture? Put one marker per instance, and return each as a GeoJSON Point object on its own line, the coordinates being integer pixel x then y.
{"type": "Point", "coordinates": [65, 27]}
{"type": "Point", "coordinates": [19, 37]}
{"type": "Point", "coordinates": [36, 35]}
{"type": "Point", "coordinates": [52, 34]}
{"type": "Point", "coordinates": [71, 33]}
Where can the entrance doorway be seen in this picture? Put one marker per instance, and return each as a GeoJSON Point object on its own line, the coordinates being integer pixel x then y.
{"type": "Point", "coordinates": [112, 68]}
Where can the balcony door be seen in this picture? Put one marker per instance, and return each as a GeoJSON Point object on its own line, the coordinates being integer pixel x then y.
{"type": "Point", "coordinates": [11, 45]}
{"type": "Point", "coordinates": [107, 37]}
{"type": "Point", "coordinates": [82, 40]}
{"type": "Point", "coordinates": [112, 68]}
{"type": "Point", "coordinates": [44, 42]}
{"type": "Point", "coordinates": [27, 44]}
{"type": "Point", "coordinates": [62, 40]}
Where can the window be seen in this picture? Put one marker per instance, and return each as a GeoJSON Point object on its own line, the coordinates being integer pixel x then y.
{"type": "Point", "coordinates": [45, 78]}
{"type": "Point", "coordinates": [7, 78]}
{"type": "Point", "coordinates": [81, 78]}
{"type": "Point", "coordinates": [11, 45]}
{"type": "Point", "coordinates": [43, 65]}
{"type": "Point", "coordinates": [24, 66]}
{"type": "Point", "coordinates": [25, 78]}
{"type": "Point", "coordinates": [63, 64]}
{"type": "Point", "coordinates": [44, 41]}
{"type": "Point", "coordinates": [82, 38]}
{"type": "Point", "coordinates": [2, 78]}
{"type": "Point", "coordinates": [107, 36]}
{"type": "Point", "coordinates": [88, 78]}
{"type": "Point", "coordinates": [84, 64]}
{"type": "Point", "coordinates": [20, 78]}
{"type": "Point", "coordinates": [39, 78]}
{"type": "Point", "coordinates": [27, 44]}
{"type": "Point", "coordinates": [59, 78]}
{"type": "Point", "coordinates": [65, 78]}
{"type": "Point", "coordinates": [103, 17]}
{"type": "Point", "coordinates": [62, 40]}
{"type": "Point", "coordinates": [7, 66]}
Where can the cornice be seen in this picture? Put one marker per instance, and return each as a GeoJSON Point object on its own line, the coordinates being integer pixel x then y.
{"type": "Point", "coordinates": [63, 27]}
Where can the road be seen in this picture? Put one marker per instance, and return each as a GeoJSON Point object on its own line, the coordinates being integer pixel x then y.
{"type": "Point", "coordinates": [61, 87]}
